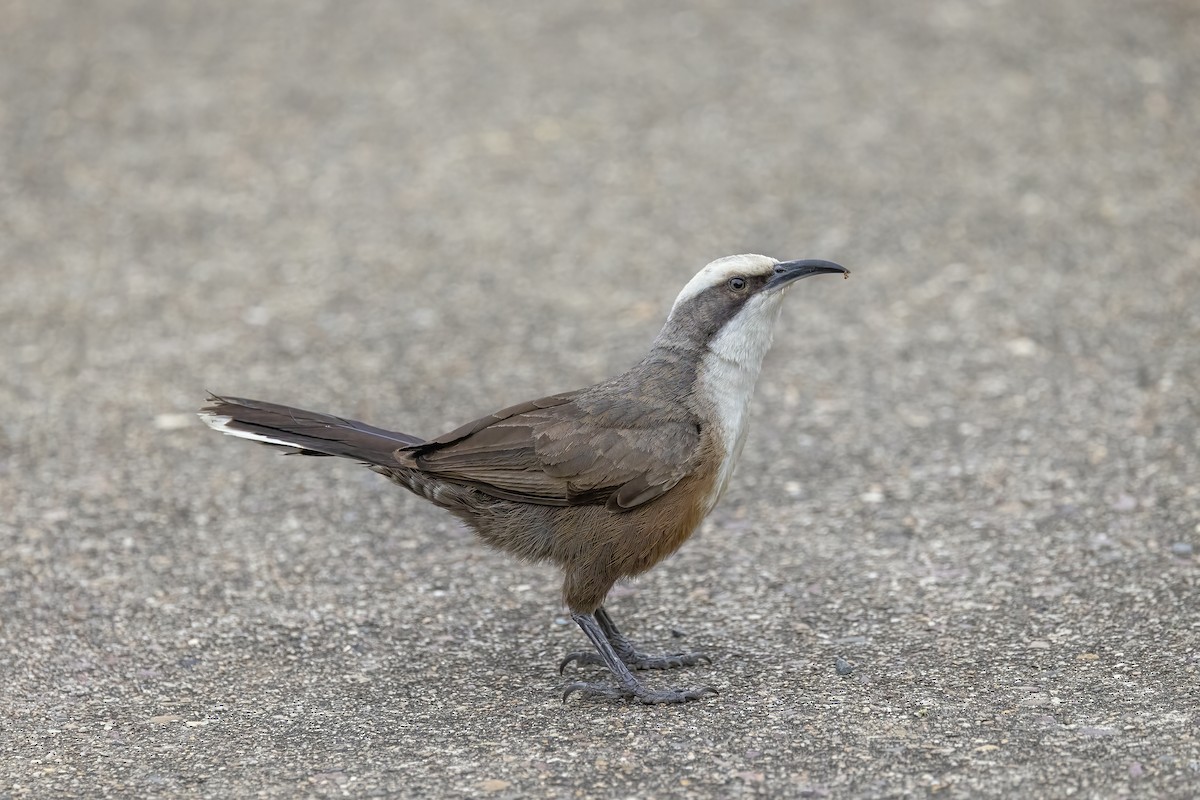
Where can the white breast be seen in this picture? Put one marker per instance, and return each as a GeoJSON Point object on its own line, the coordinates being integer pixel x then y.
{"type": "Point", "coordinates": [728, 374]}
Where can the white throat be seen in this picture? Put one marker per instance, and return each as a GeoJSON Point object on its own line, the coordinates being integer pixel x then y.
{"type": "Point", "coordinates": [728, 374]}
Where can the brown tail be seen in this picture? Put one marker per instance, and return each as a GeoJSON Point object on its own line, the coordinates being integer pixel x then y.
{"type": "Point", "coordinates": [303, 432]}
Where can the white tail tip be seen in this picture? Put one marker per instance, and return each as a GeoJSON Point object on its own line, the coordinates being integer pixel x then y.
{"type": "Point", "coordinates": [220, 422]}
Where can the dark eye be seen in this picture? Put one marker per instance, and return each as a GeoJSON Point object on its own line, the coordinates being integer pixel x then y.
{"type": "Point", "coordinates": [737, 284]}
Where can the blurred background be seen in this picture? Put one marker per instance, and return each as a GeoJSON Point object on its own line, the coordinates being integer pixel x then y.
{"type": "Point", "coordinates": [973, 469]}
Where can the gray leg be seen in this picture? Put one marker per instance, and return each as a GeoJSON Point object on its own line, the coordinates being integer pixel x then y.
{"type": "Point", "coordinates": [629, 687]}
{"type": "Point", "coordinates": [627, 651]}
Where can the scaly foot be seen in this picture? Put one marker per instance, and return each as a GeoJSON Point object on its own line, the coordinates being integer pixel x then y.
{"type": "Point", "coordinates": [641, 694]}
{"type": "Point", "coordinates": [627, 651]}
{"type": "Point", "coordinates": [635, 660]}
{"type": "Point", "coordinates": [603, 635]}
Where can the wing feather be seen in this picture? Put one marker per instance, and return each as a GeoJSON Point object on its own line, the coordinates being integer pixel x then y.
{"type": "Point", "coordinates": [560, 451]}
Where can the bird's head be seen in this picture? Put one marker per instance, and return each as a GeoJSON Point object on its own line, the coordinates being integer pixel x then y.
{"type": "Point", "coordinates": [739, 293]}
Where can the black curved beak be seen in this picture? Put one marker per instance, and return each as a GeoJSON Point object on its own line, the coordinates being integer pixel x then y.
{"type": "Point", "coordinates": [788, 271]}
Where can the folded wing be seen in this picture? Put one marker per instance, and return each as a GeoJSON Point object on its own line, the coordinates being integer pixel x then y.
{"type": "Point", "coordinates": [565, 450]}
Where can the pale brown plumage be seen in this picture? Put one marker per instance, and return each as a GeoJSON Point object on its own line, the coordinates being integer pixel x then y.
{"type": "Point", "coordinates": [555, 479]}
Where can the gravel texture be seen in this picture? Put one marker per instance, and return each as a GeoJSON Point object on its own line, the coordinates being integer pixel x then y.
{"type": "Point", "coordinates": [959, 555]}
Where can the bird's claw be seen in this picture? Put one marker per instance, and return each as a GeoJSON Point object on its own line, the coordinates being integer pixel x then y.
{"type": "Point", "coordinates": [581, 657]}
{"type": "Point", "coordinates": [669, 661]}
{"type": "Point", "coordinates": [636, 660]}
{"type": "Point", "coordinates": [642, 695]}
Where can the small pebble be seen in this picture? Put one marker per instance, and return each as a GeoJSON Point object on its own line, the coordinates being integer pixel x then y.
{"type": "Point", "coordinates": [843, 666]}
{"type": "Point", "coordinates": [1182, 548]}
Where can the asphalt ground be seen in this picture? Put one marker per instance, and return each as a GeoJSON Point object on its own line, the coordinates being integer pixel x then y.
{"type": "Point", "coordinates": [960, 555]}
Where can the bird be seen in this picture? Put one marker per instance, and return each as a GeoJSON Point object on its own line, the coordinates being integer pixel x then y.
{"type": "Point", "coordinates": [604, 481]}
